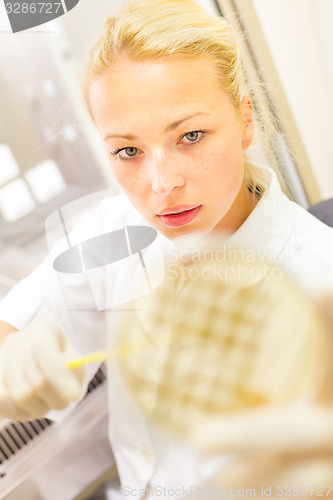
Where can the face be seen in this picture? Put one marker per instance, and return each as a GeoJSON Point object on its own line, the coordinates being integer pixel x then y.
{"type": "Point", "coordinates": [175, 144]}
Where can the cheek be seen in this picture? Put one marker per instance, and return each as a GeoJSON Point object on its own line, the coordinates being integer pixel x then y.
{"type": "Point", "coordinates": [224, 172]}
{"type": "Point", "coordinates": [123, 176]}
{"type": "Point", "coordinates": [132, 186]}
{"type": "Point", "coordinates": [226, 162]}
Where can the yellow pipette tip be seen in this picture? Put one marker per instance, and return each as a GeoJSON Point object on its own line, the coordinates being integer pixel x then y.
{"type": "Point", "coordinates": [100, 356]}
{"type": "Point", "coordinates": [123, 350]}
{"type": "Point", "coordinates": [94, 357]}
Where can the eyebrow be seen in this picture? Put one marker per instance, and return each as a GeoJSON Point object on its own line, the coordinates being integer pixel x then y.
{"type": "Point", "coordinates": [169, 128]}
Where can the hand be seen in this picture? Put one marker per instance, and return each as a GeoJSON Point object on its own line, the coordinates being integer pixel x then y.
{"type": "Point", "coordinates": [281, 447]}
{"type": "Point", "coordinates": [34, 377]}
{"type": "Point", "coordinates": [300, 427]}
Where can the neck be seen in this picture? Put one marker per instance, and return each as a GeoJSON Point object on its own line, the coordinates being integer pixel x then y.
{"type": "Point", "coordinates": [239, 211]}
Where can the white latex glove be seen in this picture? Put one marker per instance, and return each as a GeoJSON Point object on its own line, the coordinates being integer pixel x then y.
{"type": "Point", "coordinates": [34, 377]}
{"type": "Point", "coordinates": [303, 427]}
{"type": "Point", "coordinates": [283, 448]}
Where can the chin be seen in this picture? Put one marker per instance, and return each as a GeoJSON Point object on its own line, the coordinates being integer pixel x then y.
{"type": "Point", "coordinates": [186, 233]}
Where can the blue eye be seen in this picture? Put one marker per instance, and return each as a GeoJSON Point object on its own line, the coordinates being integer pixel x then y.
{"type": "Point", "coordinates": [125, 153]}
{"type": "Point", "coordinates": [192, 136]}
{"type": "Point", "coordinates": [129, 152]}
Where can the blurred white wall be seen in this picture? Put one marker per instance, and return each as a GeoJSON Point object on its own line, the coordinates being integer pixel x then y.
{"type": "Point", "coordinates": [323, 11]}
{"type": "Point", "coordinates": [300, 38]}
{"type": "Point", "coordinates": [84, 23]}
{"type": "Point", "coordinates": [209, 6]}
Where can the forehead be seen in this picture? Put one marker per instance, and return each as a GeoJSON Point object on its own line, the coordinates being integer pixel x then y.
{"type": "Point", "coordinates": [164, 88]}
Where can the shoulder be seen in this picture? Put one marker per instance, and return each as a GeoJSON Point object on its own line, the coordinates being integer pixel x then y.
{"type": "Point", "coordinates": [304, 228]}
{"type": "Point", "coordinates": [308, 254]}
{"type": "Point", "coordinates": [312, 234]}
{"type": "Point", "coordinates": [302, 244]}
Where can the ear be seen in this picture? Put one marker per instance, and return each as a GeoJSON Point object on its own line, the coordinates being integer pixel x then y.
{"type": "Point", "coordinates": [247, 121]}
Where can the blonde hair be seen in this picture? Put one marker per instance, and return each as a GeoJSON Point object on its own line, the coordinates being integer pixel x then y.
{"type": "Point", "coordinates": [155, 29]}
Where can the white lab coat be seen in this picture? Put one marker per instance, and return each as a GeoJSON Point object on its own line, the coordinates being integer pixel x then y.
{"type": "Point", "coordinates": [277, 227]}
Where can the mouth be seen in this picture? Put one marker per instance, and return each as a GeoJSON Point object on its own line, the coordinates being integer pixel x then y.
{"type": "Point", "coordinates": [179, 216]}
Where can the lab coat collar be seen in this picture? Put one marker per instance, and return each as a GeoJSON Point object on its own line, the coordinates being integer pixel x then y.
{"type": "Point", "coordinates": [269, 226]}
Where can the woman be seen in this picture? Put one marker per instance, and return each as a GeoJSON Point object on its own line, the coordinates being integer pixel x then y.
{"type": "Point", "coordinates": [164, 86]}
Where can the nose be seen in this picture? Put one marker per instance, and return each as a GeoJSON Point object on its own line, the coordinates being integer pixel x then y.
{"type": "Point", "coordinates": [166, 174]}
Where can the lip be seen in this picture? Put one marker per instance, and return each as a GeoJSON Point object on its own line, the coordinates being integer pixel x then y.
{"type": "Point", "coordinates": [176, 209]}
{"type": "Point", "coordinates": [187, 215]}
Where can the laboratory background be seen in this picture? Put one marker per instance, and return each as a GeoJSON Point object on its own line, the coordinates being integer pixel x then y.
{"type": "Point", "coordinates": [50, 155]}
